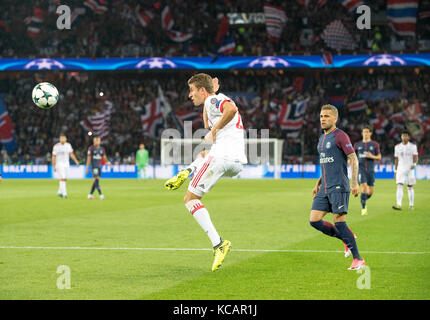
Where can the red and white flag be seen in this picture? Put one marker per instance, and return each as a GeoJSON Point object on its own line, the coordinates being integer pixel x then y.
{"type": "Point", "coordinates": [356, 106]}
{"type": "Point", "coordinates": [275, 21]}
{"type": "Point", "coordinates": [144, 16]}
{"type": "Point", "coordinates": [337, 37]}
{"type": "Point", "coordinates": [34, 23]}
{"type": "Point", "coordinates": [97, 6]}
{"type": "Point", "coordinates": [99, 122]}
{"type": "Point", "coordinates": [152, 118]}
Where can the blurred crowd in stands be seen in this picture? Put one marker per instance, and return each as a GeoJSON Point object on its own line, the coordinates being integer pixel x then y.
{"type": "Point", "coordinates": [118, 31]}
{"type": "Point", "coordinates": [389, 92]}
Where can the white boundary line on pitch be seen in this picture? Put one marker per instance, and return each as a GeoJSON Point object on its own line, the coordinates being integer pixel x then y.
{"type": "Point", "coordinates": [201, 249]}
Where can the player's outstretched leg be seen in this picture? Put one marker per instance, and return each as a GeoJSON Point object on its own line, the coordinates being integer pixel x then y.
{"type": "Point", "coordinates": [176, 181]}
{"type": "Point", "coordinates": [201, 215]}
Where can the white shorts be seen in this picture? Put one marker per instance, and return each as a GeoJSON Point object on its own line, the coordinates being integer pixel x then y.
{"type": "Point", "coordinates": [62, 171]}
{"type": "Point", "coordinates": [406, 177]}
{"type": "Point", "coordinates": [210, 171]}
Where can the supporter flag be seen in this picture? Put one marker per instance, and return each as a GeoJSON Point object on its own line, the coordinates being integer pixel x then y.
{"type": "Point", "coordinates": [34, 23]}
{"type": "Point", "coordinates": [99, 122]}
{"type": "Point", "coordinates": [222, 30]}
{"type": "Point", "coordinates": [291, 116]}
{"type": "Point", "coordinates": [304, 2]}
{"type": "Point", "coordinates": [167, 24]}
{"type": "Point", "coordinates": [7, 138]}
{"type": "Point", "coordinates": [336, 96]}
{"type": "Point", "coordinates": [402, 16]}
{"type": "Point", "coordinates": [167, 111]}
{"type": "Point", "coordinates": [327, 58]}
{"type": "Point", "coordinates": [76, 16]}
{"type": "Point", "coordinates": [97, 6]}
{"type": "Point", "coordinates": [351, 5]}
{"type": "Point", "coordinates": [188, 115]}
{"type": "Point", "coordinates": [379, 123]}
{"type": "Point", "coordinates": [398, 117]}
{"type": "Point", "coordinates": [357, 106]}
{"type": "Point", "coordinates": [413, 112]}
{"type": "Point", "coordinates": [144, 16]}
{"type": "Point", "coordinates": [275, 21]}
{"type": "Point", "coordinates": [227, 46]}
{"type": "Point", "coordinates": [337, 37]}
{"type": "Point", "coordinates": [152, 118]}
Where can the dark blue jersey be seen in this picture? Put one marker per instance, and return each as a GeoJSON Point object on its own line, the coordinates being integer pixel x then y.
{"type": "Point", "coordinates": [361, 148]}
{"type": "Point", "coordinates": [96, 154]}
{"type": "Point", "coordinates": [333, 149]}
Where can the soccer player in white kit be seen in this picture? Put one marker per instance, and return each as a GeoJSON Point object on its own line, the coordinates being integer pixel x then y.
{"type": "Point", "coordinates": [406, 158]}
{"type": "Point", "coordinates": [225, 158]}
{"type": "Point", "coordinates": [60, 162]}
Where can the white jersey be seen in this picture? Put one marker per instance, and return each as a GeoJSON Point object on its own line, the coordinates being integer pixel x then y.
{"type": "Point", "coordinates": [62, 153]}
{"type": "Point", "coordinates": [229, 141]}
{"type": "Point", "coordinates": [405, 153]}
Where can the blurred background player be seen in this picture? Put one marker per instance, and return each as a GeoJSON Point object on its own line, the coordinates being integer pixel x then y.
{"type": "Point", "coordinates": [367, 152]}
{"type": "Point", "coordinates": [142, 156]}
{"type": "Point", "coordinates": [94, 158]}
{"type": "Point", "coordinates": [61, 163]}
{"type": "Point", "coordinates": [331, 193]}
{"type": "Point", "coordinates": [225, 158]}
{"type": "Point", "coordinates": [406, 159]}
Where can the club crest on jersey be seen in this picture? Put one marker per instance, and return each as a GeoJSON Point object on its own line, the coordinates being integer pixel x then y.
{"type": "Point", "coordinates": [214, 101]}
{"type": "Point", "coordinates": [328, 145]}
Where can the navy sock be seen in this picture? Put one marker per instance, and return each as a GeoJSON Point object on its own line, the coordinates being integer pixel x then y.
{"type": "Point", "coordinates": [368, 196]}
{"type": "Point", "coordinates": [98, 186]}
{"type": "Point", "coordinates": [363, 198]}
{"type": "Point", "coordinates": [326, 228]}
{"type": "Point", "coordinates": [93, 187]}
{"type": "Point", "coordinates": [348, 238]}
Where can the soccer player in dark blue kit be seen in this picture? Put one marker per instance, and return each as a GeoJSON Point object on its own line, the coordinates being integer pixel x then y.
{"type": "Point", "coordinates": [331, 193]}
{"type": "Point", "coordinates": [367, 152]}
{"type": "Point", "coordinates": [94, 158]}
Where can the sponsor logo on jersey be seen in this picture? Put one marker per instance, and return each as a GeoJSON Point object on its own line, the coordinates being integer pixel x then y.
{"type": "Point", "coordinates": [327, 160]}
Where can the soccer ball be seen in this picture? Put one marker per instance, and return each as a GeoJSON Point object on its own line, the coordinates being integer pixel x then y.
{"type": "Point", "coordinates": [45, 95]}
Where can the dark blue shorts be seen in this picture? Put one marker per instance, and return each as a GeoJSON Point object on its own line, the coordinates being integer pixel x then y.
{"type": "Point", "coordinates": [96, 171]}
{"type": "Point", "coordinates": [334, 202]}
{"type": "Point", "coordinates": [366, 177]}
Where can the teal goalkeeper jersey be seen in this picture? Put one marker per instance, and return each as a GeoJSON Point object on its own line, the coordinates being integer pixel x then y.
{"type": "Point", "coordinates": [142, 157]}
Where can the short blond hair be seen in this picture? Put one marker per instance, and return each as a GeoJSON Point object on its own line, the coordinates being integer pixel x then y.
{"type": "Point", "coordinates": [332, 108]}
{"type": "Point", "coordinates": [202, 80]}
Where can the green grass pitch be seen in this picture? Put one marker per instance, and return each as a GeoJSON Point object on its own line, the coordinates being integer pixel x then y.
{"type": "Point", "coordinates": [122, 247]}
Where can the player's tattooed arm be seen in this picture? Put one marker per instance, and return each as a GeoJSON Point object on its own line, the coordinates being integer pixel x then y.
{"type": "Point", "coordinates": [354, 173]}
{"type": "Point", "coordinates": [317, 187]}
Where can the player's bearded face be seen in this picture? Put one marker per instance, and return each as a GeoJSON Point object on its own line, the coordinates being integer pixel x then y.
{"type": "Point", "coordinates": [327, 119]}
{"type": "Point", "coordinates": [195, 95]}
